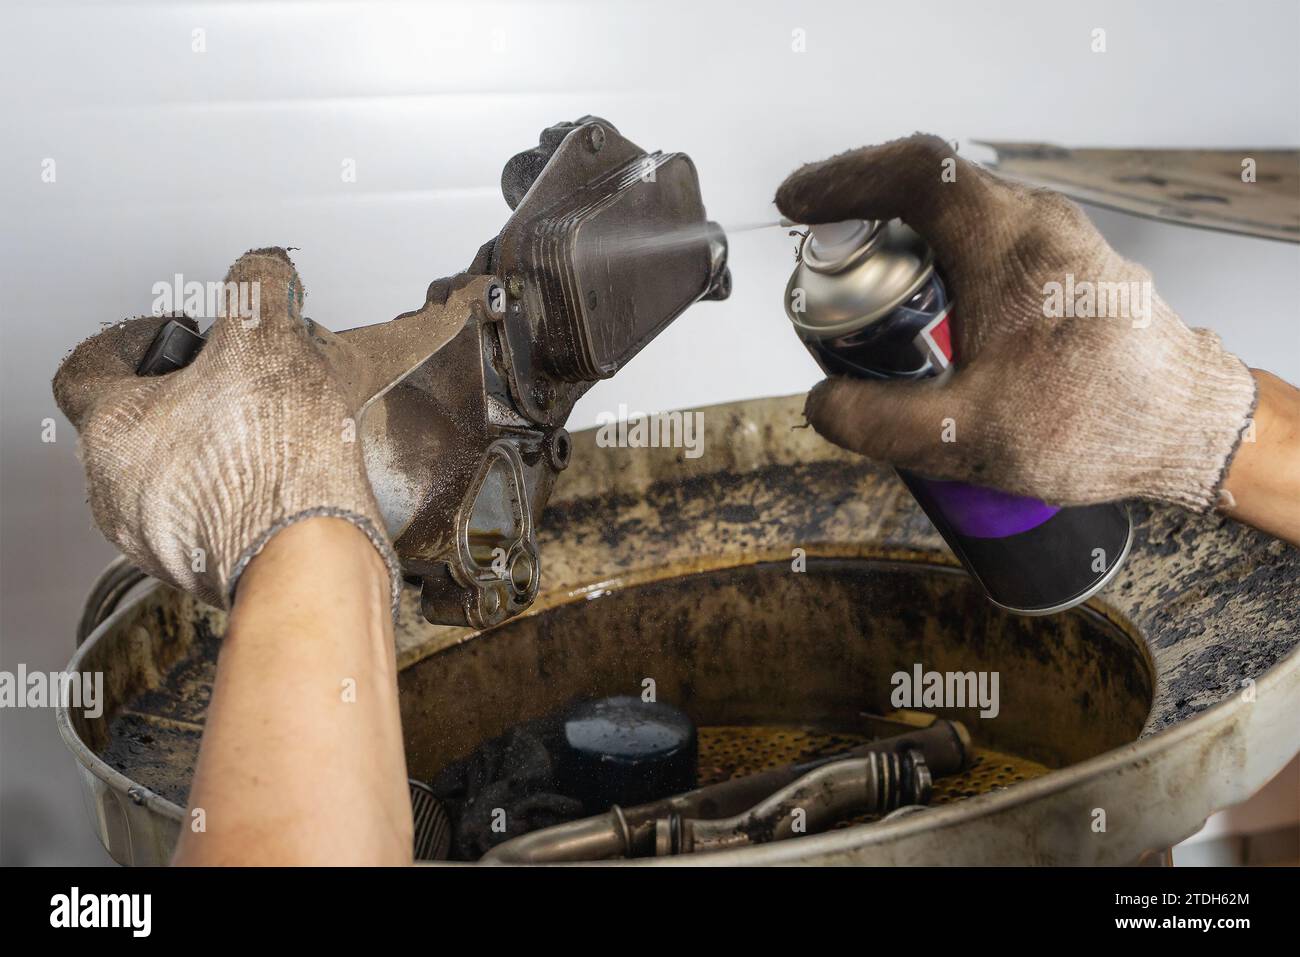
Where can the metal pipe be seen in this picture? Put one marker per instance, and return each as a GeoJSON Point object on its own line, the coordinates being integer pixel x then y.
{"type": "Point", "coordinates": [598, 838]}
{"type": "Point", "coordinates": [875, 783]}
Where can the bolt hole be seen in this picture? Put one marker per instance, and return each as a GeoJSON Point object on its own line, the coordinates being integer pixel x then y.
{"type": "Point", "coordinates": [560, 449]}
{"type": "Point", "coordinates": [522, 571]}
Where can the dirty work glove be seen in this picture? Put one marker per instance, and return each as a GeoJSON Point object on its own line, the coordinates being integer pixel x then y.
{"type": "Point", "coordinates": [1070, 409]}
{"type": "Point", "coordinates": [192, 472]}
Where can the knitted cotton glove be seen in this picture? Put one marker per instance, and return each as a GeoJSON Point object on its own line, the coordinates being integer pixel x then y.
{"type": "Point", "coordinates": [192, 472]}
{"type": "Point", "coordinates": [1054, 396]}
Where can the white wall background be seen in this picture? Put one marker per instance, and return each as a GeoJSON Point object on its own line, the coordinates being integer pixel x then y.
{"type": "Point", "coordinates": [170, 160]}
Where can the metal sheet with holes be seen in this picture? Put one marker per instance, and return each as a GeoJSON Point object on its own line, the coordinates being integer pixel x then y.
{"type": "Point", "coordinates": [1254, 192]}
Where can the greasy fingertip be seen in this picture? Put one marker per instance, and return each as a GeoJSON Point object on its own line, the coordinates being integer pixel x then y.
{"type": "Point", "coordinates": [818, 396]}
{"type": "Point", "coordinates": [278, 252]}
{"type": "Point", "coordinates": [889, 180]}
{"type": "Point", "coordinates": [896, 422]}
{"type": "Point", "coordinates": [270, 261]}
{"type": "Point", "coordinates": [809, 194]}
{"type": "Point", "coordinates": [789, 200]}
{"type": "Point", "coordinates": [100, 361]}
{"type": "Point", "coordinates": [828, 409]}
{"type": "Point", "coordinates": [274, 287]}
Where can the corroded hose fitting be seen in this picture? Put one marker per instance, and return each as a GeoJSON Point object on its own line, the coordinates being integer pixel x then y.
{"type": "Point", "coordinates": [875, 783]}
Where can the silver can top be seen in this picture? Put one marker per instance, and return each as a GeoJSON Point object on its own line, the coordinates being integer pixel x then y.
{"type": "Point", "coordinates": [851, 274]}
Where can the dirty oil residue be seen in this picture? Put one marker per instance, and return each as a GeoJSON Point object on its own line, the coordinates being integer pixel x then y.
{"type": "Point", "coordinates": [154, 752]}
{"type": "Point", "coordinates": [153, 738]}
{"type": "Point", "coordinates": [735, 751]}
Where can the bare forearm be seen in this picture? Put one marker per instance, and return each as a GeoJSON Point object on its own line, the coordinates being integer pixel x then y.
{"type": "Point", "coordinates": [1263, 483]}
{"type": "Point", "coordinates": [302, 759]}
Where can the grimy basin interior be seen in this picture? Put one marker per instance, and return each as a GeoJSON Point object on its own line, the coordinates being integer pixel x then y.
{"type": "Point", "coordinates": [771, 664]}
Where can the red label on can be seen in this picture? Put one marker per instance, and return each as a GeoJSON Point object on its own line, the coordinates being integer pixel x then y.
{"type": "Point", "coordinates": [935, 340]}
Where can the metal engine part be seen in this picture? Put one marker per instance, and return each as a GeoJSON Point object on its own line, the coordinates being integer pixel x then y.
{"type": "Point", "coordinates": [607, 245]}
{"type": "Point", "coordinates": [877, 782]}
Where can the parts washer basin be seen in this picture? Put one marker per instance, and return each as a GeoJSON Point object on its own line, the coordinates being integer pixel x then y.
{"type": "Point", "coordinates": [1172, 694]}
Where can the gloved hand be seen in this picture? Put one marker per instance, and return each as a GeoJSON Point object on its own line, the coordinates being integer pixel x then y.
{"type": "Point", "coordinates": [192, 472]}
{"type": "Point", "coordinates": [1068, 409]}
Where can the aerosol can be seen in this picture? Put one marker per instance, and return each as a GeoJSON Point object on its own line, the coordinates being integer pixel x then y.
{"type": "Point", "coordinates": [867, 301]}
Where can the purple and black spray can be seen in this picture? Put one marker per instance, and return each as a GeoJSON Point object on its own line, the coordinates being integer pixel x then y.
{"type": "Point", "coordinates": [867, 301]}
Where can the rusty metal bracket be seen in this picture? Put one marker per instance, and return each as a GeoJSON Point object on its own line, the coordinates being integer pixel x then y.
{"type": "Point", "coordinates": [465, 399]}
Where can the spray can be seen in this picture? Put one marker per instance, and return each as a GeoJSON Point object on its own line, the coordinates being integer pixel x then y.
{"type": "Point", "coordinates": [867, 301]}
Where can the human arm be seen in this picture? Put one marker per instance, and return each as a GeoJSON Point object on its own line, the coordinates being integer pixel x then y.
{"type": "Point", "coordinates": [302, 759]}
{"type": "Point", "coordinates": [239, 479]}
{"type": "Point", "coordinates": [1262, 487]}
